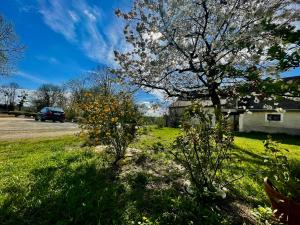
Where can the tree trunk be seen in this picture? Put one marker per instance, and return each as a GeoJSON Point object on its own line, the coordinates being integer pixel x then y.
{"type": "Point", "coordinates": [216, 101]}
{"type": "Point", "coordinates": [217, 105]}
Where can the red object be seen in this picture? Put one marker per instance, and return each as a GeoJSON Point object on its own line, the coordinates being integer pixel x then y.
{"type": "Point", "coordinates": [286, 210]}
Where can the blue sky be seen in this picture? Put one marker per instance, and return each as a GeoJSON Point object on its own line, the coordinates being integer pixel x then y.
{"type": "Point", "coordinates": [65, 38]}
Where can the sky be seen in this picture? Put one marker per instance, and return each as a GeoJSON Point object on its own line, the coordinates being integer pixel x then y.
{"type": "Point", "coordinates": [65, 38]}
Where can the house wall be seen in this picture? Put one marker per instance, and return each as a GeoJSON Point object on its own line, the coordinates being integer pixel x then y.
{"type": "Point", "coordinates": [256, 121]}
{"type": "Point", "coordinates": [175, 114]}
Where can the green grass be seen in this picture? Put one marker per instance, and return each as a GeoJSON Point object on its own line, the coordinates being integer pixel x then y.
{"type": "Point", "coordinates": [248, 156]}
{"type": "Point", "coordinates": [55, 182]}
{"type": "Point", "coordinates": [58, 182]}
{"type": "Point", "coordinates": [154, 135]}
{"type": "Point", "coordinates": [251, 158]}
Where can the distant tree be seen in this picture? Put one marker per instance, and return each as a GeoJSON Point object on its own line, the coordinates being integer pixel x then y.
{"type": "Point", "coordinates": [49, 95]}
{"type": "Point", "coordinates": [22, 98]}
{"type": "Point", "coordinates": [10, 48]}
{"type": "Point", "coordinates": [98, 81]}
{"type": "Point", "coordinates": [76, 88]}
{"type": "Point", "coordinates": [9, 93]}
{"type": "Point", "coordinates": [197, 48]}
{"type": "Point", "coordinates": [101, 80]}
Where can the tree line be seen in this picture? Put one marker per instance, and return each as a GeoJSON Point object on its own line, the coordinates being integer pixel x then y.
{"type": "Point", "coordinates": [66, 96]}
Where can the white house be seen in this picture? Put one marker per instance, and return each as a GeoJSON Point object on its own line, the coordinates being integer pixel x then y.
{"type": "Point", "coordinates": [262, 116]}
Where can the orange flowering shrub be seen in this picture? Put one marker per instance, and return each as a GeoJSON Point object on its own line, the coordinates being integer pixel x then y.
{"type": "Point", "coordinates": [110, 120]}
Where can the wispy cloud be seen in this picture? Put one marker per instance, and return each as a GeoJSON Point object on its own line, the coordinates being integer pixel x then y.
{"type": "Point", "coordinates": [30, 77]}
{"type": "Point", "coordinates": [27, 8]}
{"type": "Point", "coordinates": [82, 24]}
{"type": "Point", "coordinates": [50, 60]}
{"type": "Point", "coordinates": [57, 18]}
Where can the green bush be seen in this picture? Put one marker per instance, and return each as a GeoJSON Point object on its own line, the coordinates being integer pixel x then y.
{"type": "Point", "coordinates": [158, 147]}
{"type": "Point", "coordinates": [71, 114]}
{"type": "Point", "coordinates": [280, 170]}
{"type": "Point", "coordinates": [110, 120]}
{"type": "Point", "coordinates": [202, 153]}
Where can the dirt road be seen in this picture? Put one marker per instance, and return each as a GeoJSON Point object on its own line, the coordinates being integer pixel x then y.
{"type": "Point", "coordinates": [21, 128]}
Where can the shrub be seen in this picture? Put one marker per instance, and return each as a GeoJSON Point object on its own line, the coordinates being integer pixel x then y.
{"type": "Point", "coordinates": [158, 147]}
{"type": "Point", "coordinates": [70, 114]}
{"type": "Point", "coordinates": [202, 152]}
{"type": "Point", "coordinates": [264, 216]}
{"type": "Point", "coordinates": [160, 122]}
{"type": "Point", "coordinates": [110, 120]}
{"type": "Point", "coordinates": [280, 169]}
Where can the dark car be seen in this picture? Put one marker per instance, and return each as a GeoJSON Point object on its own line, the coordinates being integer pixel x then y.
{"type": "Point", "coordinates": [51, 113]}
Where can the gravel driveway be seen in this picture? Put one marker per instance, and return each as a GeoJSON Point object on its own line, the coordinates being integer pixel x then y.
{"type": "Point", "coordinates": [21, 128]}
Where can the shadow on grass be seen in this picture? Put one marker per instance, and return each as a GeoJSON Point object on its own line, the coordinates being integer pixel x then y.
{"type": "Point", "coordinates": [282, 138]}
{"type": "Point", "coordinates": [90, 192]}
{"type": "Point", "coordinates": [248, 156]}
{"type": "Point", "coordinates": [62, 195]}
{"type": "Point", "coordinates": [253, 167]}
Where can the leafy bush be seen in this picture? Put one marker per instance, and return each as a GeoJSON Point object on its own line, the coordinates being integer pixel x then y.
{"type": "Point", "coordinates": [71, 114]}
{"type": "Point", "coordinates": [160, 122]}
{"type": "Point", "coordinates": [280, 169]}
{"type": "Point", "coordinates": [110, 120]}
{"type": "Point", "coordinates": [143, 130]}
{"type": "Point", "coordinates": [158, 147]}
{"type": "Point", "coordinates": [202, 152]}
{"type": "Point", "coordinates": [264, 216]}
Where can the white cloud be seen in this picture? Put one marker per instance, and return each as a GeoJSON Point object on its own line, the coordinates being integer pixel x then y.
{"type": "Point", "coordinates": [55, 16]}
{"type": "Point", "coordinates": [90, 15]}
{"type": "Point", "coordinates": [80, 24]}
{"type": "Point", "coordinates": [152, 109]}
{"type": "Point", "coordinates": [73, 16]}
{"type": "Point", "coordinates": [27, 8]}
{"type": "Point", "coordinates": [158, 94]}
{"type": "Point", "coordinates": [32, 78]}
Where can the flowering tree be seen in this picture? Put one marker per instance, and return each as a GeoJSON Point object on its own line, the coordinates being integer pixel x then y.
{"type": "Point", "coordinates": [110, 120]}
{"type": "Point", "coordinates": [196, 48]}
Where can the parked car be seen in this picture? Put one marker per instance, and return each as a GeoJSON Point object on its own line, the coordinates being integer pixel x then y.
{"type": "Point", "coordinates": [51, 113]}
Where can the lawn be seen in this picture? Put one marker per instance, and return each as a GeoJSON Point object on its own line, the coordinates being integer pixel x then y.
{"type": "Point", "coordinates": [58, 182]}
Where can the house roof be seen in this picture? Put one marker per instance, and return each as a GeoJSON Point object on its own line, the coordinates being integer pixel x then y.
{"type": "Point", "coordinates": [205, 103]}
{"type": "Point", "coordinates": [293, 78]}
{"type": "Point", "coordinates": [180, 103]}
{"type": "Point", "coordinates": [286, 104]}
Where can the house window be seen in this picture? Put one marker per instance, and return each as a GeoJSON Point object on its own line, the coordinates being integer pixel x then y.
{"type": "Point", "coordinates": [274, 117]}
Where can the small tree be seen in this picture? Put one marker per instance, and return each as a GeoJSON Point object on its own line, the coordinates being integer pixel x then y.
{"type": "Point", "coordinates": [110, 120]}
{"type": "Point", "coordinates": [200, 151]}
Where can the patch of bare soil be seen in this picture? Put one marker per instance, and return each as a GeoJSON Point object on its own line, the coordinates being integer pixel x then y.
{"type": "Point", "coordinates": [240, 212]}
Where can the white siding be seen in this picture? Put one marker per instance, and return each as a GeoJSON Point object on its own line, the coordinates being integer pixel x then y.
{"type": "Point", "coordinates": [256, 121]}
